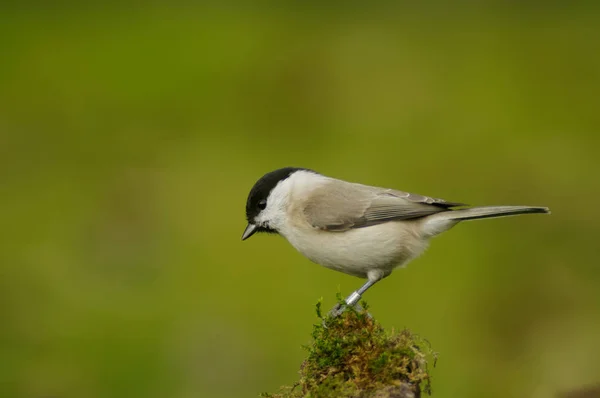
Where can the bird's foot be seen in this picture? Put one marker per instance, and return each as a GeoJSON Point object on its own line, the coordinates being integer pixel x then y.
{"type": "Point", "coordinates": [340, 308]}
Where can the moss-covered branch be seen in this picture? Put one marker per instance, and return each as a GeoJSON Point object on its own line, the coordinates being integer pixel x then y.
{"type": "Point", "coordinates": [351, 355]}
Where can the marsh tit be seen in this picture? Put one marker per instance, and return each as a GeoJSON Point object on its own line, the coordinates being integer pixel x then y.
{"type": "Point", "coordinates": [357, 229]}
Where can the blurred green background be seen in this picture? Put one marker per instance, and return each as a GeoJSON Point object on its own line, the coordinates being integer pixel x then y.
{"type": "Point", "coordinates": [131, 135]}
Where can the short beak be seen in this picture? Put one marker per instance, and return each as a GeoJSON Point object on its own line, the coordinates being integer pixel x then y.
{"type": "Point", "coordinates": [249, 231]}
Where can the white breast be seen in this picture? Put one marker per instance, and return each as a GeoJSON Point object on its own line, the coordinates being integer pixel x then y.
{"type": "Point", "coordinates": [379, 248]}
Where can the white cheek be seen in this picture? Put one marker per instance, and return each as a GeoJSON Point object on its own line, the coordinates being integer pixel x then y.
{"type": "Point", "coordinates": [274, 214]}
{"type": "Point", "coordinates": [264, 217]}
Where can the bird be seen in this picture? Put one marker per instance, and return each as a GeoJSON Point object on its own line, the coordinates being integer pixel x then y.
{"type": "Point", "coordinates": [357, 229]}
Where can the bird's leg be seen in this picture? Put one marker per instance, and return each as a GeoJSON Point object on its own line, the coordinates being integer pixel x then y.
{"type": "Point", "coordinates": [353, 298]}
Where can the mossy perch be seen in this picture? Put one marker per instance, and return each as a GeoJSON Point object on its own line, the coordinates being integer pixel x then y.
{"type": "Point", "coordinates": [351, 355]}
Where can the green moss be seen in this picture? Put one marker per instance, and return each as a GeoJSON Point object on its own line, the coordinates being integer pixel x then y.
{"type": "Point", "coordinates": [351, 355]}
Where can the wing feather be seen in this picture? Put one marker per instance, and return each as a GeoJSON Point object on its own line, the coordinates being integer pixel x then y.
{"type": "Point", "coordinates": [340, 206]}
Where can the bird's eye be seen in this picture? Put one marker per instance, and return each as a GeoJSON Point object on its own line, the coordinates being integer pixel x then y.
{"type": "Point", "coordinates": [262, 204]}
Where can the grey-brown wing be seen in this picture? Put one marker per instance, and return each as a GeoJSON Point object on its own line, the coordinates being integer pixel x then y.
{"type": "Point", "coordinates": [340, 206]}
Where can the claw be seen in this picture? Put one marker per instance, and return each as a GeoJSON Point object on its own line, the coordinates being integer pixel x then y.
{"type": "Point", "coordinates": [339, 309]}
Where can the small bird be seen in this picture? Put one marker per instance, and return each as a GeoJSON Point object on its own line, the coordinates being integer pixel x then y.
{"type": "Point", "coordinates": [357, 229]}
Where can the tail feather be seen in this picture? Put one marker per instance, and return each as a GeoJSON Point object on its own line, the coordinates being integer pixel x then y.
{"type": "Point", "coordinates": [437, 223]}
{"type": "Point", "coordinates": [475, 213]}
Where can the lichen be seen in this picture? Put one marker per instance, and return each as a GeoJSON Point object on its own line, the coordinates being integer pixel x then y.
{"type": "Point", "coordinates": [351, 355]}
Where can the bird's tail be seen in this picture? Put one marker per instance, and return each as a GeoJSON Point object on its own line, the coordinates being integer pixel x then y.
{"type": "Point", "coordinates": [443, 221]}
{"type": "Point", "coordinates": [475, 213]}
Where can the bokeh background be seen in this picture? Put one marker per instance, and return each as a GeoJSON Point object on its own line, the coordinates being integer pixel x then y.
{"type": "Point", "coordinates": [131, 135]}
